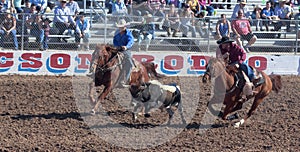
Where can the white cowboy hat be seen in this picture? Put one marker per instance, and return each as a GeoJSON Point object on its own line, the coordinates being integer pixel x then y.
{"type": "Point", "coordinates": [282, 1]}
{"type": "Point", "coordinates": [243, 2]}
{"type": "Point", "coordinates": [64, 0]}
{"type": "Point", "coordinates": [121, 23]}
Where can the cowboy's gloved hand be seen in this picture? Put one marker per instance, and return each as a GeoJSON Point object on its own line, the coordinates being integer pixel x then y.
{"type": "Point", "coordinates": [225, 55]}
{"type": "Point", "coordinates": [124, 48]}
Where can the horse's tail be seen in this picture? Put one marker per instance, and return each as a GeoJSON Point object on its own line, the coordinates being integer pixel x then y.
{"type": "Point", "coordinates": [150, 66]}
{"type": "Point", "coordinates": [276, 82]}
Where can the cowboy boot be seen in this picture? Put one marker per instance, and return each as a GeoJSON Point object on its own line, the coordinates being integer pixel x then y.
{"type": "Point", "coordinates": [174, 33]}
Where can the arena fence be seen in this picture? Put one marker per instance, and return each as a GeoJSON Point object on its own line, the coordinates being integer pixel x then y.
{"type": "Point", "coordinates": [31, 29]}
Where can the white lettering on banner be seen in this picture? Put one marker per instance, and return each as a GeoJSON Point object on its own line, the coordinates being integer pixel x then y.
{"type": "Point", "coordinates": [77, 63]}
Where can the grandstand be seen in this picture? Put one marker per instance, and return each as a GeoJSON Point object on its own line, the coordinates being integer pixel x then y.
{"type": "Point", "coordinates": [102, 30]}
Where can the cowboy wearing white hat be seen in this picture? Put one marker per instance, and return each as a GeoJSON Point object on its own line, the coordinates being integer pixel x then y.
{"type": "Point", "coordinates": [124, 41]}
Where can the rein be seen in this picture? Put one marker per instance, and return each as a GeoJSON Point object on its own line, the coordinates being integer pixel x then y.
{"type": "Point", "coordinates": [103, 70]}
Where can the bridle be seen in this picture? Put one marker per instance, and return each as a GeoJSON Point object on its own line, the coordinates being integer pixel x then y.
{"type": "Point", "coordinates": [104, 68]}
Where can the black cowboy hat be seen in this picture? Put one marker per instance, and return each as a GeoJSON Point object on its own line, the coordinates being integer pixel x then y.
{"type": "Point", "coordinates": [224, 39]}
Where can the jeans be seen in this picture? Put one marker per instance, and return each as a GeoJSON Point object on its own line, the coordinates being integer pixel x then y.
{"type": "Point", "coordinates": [38, 34]}
{"type": "Point", "coordinates": [248, 70]}
{"type": "Point", "coordinates": [13, 34]}
{"type": "Point", "coordinates": [128, 64]}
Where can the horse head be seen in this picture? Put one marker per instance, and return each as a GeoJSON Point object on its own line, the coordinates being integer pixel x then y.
{"type": "Point", "coordinates": [215, 67]}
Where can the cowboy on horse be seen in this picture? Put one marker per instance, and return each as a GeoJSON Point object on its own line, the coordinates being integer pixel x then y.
{"type": "Point", "coordinates": [123, 41]}
{"type": "Point", "coordinates": [234, 55]}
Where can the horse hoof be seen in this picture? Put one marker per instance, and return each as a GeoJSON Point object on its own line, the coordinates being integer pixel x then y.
{"type": "Point", "coordinates": [93, 112]}
{"type": "Point", "coordinates": [147, 115]}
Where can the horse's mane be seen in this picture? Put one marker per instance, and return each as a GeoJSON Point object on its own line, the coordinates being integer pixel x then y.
{"type": "Point", "coordinates": [108, 47]}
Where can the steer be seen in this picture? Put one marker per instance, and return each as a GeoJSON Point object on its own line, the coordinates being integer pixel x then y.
{"type": "Point", "coordinates": [153, 95]}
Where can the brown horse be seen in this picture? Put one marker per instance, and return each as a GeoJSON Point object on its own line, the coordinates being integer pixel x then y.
{"type": "Point", "coordinates": [226, 78]}
{"type": "Point", "coordinates": [108, 72]}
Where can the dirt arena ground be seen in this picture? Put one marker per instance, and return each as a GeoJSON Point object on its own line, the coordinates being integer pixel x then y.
{"type": "Point", "coordinates": [46, 113]}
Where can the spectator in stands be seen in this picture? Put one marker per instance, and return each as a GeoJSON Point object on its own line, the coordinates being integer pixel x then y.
{"type": "Point", "coordinates": [74, 8]}
{"type": "Point", "coordinates": [63, 18]}
{"type": "Point", "coordinates": [8, 29]}
{"type": "Point", "coordinates": [27, 5]}
{"type": "Point", "coordinates": [147, 32]}
{"type": "Point", "coordinates": [128, 4]}
{"type": "Point", "coordinates": [284, 12]}
{"type": "Point", "coordinates": [82, 32]}
{"type": "Point", "coordinates": [36, 29]}
{"type": "Point", "coordinates": [242, 30]}
{"type": "Point", "coordinates": [297, 23]}
{"type": "Point", "coordinates": [5, 5]}
{"type": "Point", "coordinates": [241, 6]}
{"type": "Point", "coordinates": [256, 17]}
{"type": "Point", "coordinates": [206, 7]}
{"type": "Point", "coordinates": [172, 21]}
{"type": "Point", "coordinates": [268, 15]}
{"type": "Point", "coordinates": [124, 41]}
{"type": "Point", "coordinates": [223, 27]}
{"type": "Point", "coordinates": [119, 8]}
{"type": "Point", "coordinates": [156, 8]}
{"type": "Point", "coordinates": [187, 22]}
{"type": "Point", "coordinates": [17, 5]}
{"type": "Point", "coordinates": [194, 6]}
{"type": "Point", "coordinates": [46, 28]}
{"type": "Point", "coordinates": [41, 5]}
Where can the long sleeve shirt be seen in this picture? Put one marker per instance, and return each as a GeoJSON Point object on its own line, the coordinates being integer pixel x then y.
{"type": "Point", "coordinates": [82, 26]}
{"type": "Point", "coordinates": [41, 3]}
{"type": "Point", "coordinates": [125, 39]}
{"type": "Point", "coordinates": [63, 15]}
{"type": "Point", "coordinates": [236, 53]}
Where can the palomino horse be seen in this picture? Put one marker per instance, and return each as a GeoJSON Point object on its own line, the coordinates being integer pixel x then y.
{"type": "Point", "coordinates": [108, 72]}
{"type": "Point", "coordinates": [226, 78]}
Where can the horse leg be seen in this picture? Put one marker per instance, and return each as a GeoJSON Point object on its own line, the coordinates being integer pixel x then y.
{"type": "Point", "coordinates": [105, 92]}
{"type": "Point", "coordinates": [237, 107]}
{"type": "Point", "coordinates": [91, 93]}
{"type": "Point", "coordinates": [228, 109]}
{"type": "Point", "coordinates": [171, 113]}
{"type": "Point", "coordinates": [255, 104]}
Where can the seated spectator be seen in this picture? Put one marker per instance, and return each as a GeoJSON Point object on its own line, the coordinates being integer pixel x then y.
{"type": "Point", "coordinates": [242, 30]}
{"type": "Point", "coordinates": [194, 6]}
{"type": "Point", "coordinates": [241, 6]}
{"type": "Point", "coordinates": [156, 8]}
{"type": "Point", "coordinates": [223, 27]}
{"type": "Point", "coordinates": [16, 4]}
{"type": "Point", "coordinates": [147, 32]}
{"type": "Point", "coordinates": [297, 23]}
{"type": "Point", "coordinates": [46, 27]}
{"type": "Point", "coordinates": [41, 5]}
{"type": "Point", "coordinates": [63, 18]}
{"type": "Point", "coordinates": [8, 29]}
{"type": "Point", "coordinates": [171, 21]}
{"type": "Point", "coordinates": [284, 12]}
{"type": "Point", "coordinates": [256, 17]}
{"type": "Point", "coordinates": [128, 4]}
{"type": "Point", "coordinates": [27, 5]}
{"type": "Point", "coordinates": [5, 5]}
{"type": "Point", "coordinates": [267, 15]}
{"type": "Point", "coordinates": [74, 8]}
{"type": "Point", "coordinates": [82, 32]}
{"type": "Point", "coordinates": [119, 8]}
{"type": "Point", "coordinates": [206, 7]}
{"type": "Point", "coordinates": [187, 22]}
{"type": "Point", "coordinates": [35, 24]}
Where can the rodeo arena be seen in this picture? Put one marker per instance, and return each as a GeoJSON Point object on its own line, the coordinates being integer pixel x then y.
{"type": "Point", "coordinates": [149, 75]}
